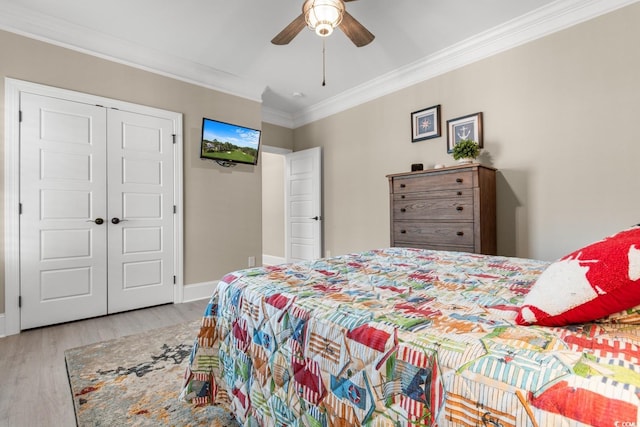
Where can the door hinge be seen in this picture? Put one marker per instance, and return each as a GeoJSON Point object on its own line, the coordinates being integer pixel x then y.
{"type": "Point", "coordinates": [19, 208]}
{"type": "Point", "coordinates": [175, 209]}
{"type": "Point", "coordinates": [20, 301]}
{"type": "Point", "coordinates": [174, 280]}
{"type": "Point", "coordinates": [174, 138]}
{"type": "Point", "coordinates": [20, 116]}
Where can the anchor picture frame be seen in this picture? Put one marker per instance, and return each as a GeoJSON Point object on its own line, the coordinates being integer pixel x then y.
{"type": "Point", "coordinates": [465, 127]}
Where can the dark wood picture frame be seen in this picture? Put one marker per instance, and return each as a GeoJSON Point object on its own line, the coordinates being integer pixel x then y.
{"type": "Point", "coordinates": [425, 124]}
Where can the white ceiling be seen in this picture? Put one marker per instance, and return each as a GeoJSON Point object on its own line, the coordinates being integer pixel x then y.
{"type": "Point", "coordinates": [225, 44]}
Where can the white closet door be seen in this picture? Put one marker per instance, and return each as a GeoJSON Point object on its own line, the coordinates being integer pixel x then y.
{"type": "Point", "coordinates": [97, 222]}
{"type": "Point", "coordinates": [63, 182]}
{"type": "Point", "coordinates": [140, 219]}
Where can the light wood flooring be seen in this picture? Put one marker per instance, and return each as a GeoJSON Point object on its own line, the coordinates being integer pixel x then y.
{"type": "Point", "coordinates": [34, 389]}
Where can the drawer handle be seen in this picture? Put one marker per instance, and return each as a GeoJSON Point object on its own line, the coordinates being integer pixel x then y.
{"type": "Point", "coordinates": [403, 210]}
{"type": "Point", "coordinates": [459, 193]}
{"type": "Point", "coordinates": [459, 208]}
{"type": "Point", "coordinates": [403, 196]}
{"type": "Point", "coordinates": [403, 231]}
{"type": "Point", "coordinates": [459, 180]}
{"type": "Point", "coordinates": [460, 233]}
{"type": "Point", "coordinates": [402, 185]}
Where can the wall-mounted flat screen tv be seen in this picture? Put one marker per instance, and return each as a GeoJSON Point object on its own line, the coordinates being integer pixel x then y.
{"type": "Point", "coordinates": [228, 143]}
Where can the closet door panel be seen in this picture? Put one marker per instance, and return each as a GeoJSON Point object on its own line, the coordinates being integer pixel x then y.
{"type": "Point", "coordinates": [141, 216]}
{"type": "Point", "coordinates": [63, 265]}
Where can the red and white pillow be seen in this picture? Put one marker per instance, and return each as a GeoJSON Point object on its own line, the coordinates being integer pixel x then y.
{"type": "Point", "coordinates": [591, 283]}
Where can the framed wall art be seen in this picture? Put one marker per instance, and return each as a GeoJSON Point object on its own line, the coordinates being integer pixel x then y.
{"type": "Point", "coordinates": [425, 124]}
{"type": "Point", "coordinates": [465, 127]}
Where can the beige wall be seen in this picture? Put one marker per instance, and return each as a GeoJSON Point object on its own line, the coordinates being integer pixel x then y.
{"type": "Point", "coordinates": [273, 204]}
{"type": "Point", "coordinates": [222, 207]}
{"type": "Point", "coordinates": [560, 118]}
{"type": "Point", "coordinates": [277, 136]}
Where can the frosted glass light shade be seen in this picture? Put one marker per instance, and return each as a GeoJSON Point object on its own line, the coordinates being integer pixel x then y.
{"type": "Point", "coordinates": [323, 15]}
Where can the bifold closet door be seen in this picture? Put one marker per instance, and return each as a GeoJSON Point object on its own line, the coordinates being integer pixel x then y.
{"type": "Point", "coordinates": [96, 194]}
{"type": "Point", "coordinates": [63, 230]}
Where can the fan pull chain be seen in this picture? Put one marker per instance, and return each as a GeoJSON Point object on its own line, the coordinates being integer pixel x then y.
{"type": "Point", "coordinates": [324, 67]}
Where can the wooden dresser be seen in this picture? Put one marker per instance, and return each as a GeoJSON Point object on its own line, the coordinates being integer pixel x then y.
{"type": "Point", "coordinates": [452, 208]}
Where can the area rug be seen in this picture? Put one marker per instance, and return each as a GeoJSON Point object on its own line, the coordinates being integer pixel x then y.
{"type": "Point", "coordinates": [136, 380]}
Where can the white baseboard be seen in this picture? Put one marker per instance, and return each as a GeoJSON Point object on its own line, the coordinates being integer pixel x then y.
{"type": "Point", "coordinates": [198, 291]}
{"type": "Point", "coordinates": [272, 260]}
{"type": "Point", "coordinates": [195, 292]}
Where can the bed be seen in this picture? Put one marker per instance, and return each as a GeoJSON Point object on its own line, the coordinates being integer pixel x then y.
{"type": "Point", "coordinates": [413, 337]}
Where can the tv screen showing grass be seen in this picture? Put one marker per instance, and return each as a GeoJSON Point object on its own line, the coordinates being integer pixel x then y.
{"type": "Point", "coordinates": [227, 142]}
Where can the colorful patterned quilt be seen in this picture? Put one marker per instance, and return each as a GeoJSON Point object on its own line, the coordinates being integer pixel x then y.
{"type": "Point", "coordinates": [405, 337]}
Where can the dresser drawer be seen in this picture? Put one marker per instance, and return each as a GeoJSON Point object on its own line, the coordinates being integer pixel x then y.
{"type": "Point", "coordinates": [429, 195]}
{"type": "Point", "coordinates": [460, 208]}
{"type": "Point", "coordinates": [437, 247]}
{"type": "Point", "coordinates": [443, 233]}
{"type": "Point", "coordinates": [434, 182]}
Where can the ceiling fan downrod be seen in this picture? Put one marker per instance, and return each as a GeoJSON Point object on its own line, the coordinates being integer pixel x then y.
{"type": "Point", "coordinates": [324, 67]}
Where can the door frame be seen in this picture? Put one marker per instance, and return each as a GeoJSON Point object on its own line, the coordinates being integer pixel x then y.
{"type": "Point", "coordinates": [13, 88]}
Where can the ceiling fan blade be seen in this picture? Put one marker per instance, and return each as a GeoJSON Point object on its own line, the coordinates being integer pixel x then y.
{"type": "Point", "coordinates": [290, 31]}
{"type": "Point", "coordinates": [358, 34]}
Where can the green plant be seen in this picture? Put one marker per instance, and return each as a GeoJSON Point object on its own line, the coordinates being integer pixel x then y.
{"type": "Point", "coordinates": [466, 149]}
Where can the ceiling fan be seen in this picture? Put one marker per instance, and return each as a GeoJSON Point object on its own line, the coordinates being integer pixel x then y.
{"type": "Point", "coordinates": [323, 16]}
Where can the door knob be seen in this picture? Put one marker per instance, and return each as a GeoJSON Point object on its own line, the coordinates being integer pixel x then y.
{"type": "Point", "coordinates": [116, 220]}
{"type": "Point", "coordinates": [315, 218]}
{"type": "Point", "coordinates": [97, 220]}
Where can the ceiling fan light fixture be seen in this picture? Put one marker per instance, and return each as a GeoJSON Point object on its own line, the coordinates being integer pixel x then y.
{"type": "Point", "coordinates": [323, 16]}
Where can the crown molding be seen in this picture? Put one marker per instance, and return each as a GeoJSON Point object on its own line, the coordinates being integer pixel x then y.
{"type": "Point", "coordinates": [45, 28]}
{"type": "Point", "coordinates": [277, 117]}
{"type": "Point", "coordinates": [541, 22]}
{"type": "Point", "coordinates": [546, 20]}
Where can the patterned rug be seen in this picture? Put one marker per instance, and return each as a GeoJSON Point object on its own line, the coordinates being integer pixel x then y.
{"type": "Point", "coordinates": [136, 380]}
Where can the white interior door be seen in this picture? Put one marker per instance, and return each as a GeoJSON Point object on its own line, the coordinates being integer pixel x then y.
{"type": "Point", "coordinates": [141, 216]}
{"type": "Point", "coordinates": [63, 258]}
{"type": "Point", "coordinates": [303, 205]}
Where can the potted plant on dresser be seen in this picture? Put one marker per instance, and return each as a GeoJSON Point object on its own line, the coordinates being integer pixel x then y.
{"type": "Point", "coordinates": [466, 151]}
